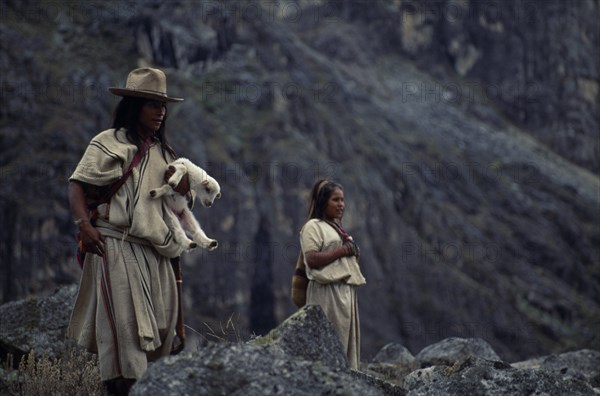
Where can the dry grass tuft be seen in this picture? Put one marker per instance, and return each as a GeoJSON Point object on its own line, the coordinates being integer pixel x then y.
{"type": "Point", "coordinates": [75, 373]}
{"type": "Point", "coordinates": [228, 332]}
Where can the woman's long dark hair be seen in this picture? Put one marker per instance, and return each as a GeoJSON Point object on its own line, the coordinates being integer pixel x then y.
{"type": "Point", "coordinates": [127, 115]}
{"type": "Point", "coordinates": [321, 192]}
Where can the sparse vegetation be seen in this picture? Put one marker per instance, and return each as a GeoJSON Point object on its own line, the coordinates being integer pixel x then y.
{"type": "Point", "coordinates": [224, 333]}
{"type": "Point", "coordinates": [75, 373]}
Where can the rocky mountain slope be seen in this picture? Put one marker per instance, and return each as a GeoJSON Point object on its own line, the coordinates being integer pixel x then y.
{"type": "Point", "coordinates": [477, 213]}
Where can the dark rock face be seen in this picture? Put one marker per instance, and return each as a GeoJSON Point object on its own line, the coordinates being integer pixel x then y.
{"type": "Point", "coordinates": [470, 226]}
{"type": "Point", "coordinates": [539, 61]}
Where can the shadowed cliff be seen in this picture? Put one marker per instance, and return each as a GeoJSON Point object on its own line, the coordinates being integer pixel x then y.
{"type": "Point", "coordinates": [477, 213]}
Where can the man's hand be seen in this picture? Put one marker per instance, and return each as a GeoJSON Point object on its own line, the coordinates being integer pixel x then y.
{"type": "Point", "coordinates": [184, 184]}
{"type": "Point", "coordinates": [91, 239]}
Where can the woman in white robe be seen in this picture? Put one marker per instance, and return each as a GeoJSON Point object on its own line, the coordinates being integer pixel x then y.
{"type": "Point", "coordinates": [331, 262]}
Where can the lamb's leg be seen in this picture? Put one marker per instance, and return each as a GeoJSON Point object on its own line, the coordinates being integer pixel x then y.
{"type": "Point", "coordinates": [178, 232]}
{"type": "Point", "coordinates": [191, 225]}
{"type": "Point", "coordinates": [162, 190]}
{"type": "Point", "coordinates": [180, 170]}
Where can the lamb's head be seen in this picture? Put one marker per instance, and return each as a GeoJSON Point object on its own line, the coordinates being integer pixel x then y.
{"type": "Point", "coordinates": [208, 191]}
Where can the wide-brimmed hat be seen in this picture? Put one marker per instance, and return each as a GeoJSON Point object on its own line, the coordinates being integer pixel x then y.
{"type": "Point", "coordinates": [146, 83]}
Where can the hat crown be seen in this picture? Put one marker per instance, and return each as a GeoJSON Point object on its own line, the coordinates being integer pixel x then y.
{"type": "Point", "coordinates": [147, 79]}
{"type": "Point", "coordinates": [146, 82]}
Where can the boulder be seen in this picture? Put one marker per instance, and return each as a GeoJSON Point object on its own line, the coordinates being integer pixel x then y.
{"type": "Point", "coordinates": [392, 363]}
{"type": "Point", "coordinates": [307, 335]}
{"type": "Point", "coordinates": [303, 356]}
{"type": "Point", "coordinates": [453, 349]}
{"type": "Point", "coordinates": [36, 324]}
{"type": "Point", "coordinates": [476, 376]}
{"type": "Point", "coordinates": [244, 369]}
{"type": "Point", "coordinates": [388, 388]}
{"type": "Point", "coordinates": [394, 353]}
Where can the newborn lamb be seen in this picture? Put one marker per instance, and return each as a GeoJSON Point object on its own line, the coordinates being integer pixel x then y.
{"type": "Point", "coordinates": [179, 217]}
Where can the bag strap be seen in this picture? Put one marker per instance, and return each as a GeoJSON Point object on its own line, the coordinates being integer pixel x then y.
{"type": "Point", "coordinates": [345, 237]}
{"type": "Point", "coordinates": [339, 230]}
{"type": "Point", "coordinates": [300, 269]}
{"type": "Point", "coordinates": [179, 343]}
{"type": "Point", "coordinates": [115, 187]}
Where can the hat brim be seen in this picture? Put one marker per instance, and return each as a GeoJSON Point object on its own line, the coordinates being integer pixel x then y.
{"type": "Point", "coordinates": [143, 94]}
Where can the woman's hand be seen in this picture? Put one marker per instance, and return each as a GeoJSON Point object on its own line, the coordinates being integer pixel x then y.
{"type": "Point", "coordinates": [353, 247]}
{"type": "Point", "coordinates": [184, 184]}
{"type": "Point", "coordinates": [349, 249]}
{"type": "Point", "coordinates": [317, 260]}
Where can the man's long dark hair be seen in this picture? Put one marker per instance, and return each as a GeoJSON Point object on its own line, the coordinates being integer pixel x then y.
{"type": "Point", "coordinates": [319, 196]}
{"type": "Point", "coordinates": [127, 115]}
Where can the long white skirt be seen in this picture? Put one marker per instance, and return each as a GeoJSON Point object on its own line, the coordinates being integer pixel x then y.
{"type": "Point", "coordinates": [126, 308]}
{"type": "Point", "coordinates": [339, 302]}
